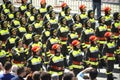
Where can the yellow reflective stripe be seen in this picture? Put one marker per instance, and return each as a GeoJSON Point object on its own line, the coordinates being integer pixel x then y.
{"type": "Point", "coordinates": [28, 36]}
{"type": "Point", "coordinates": [83, 16]}
{"type": "Point", "coordinates": [63, 42]}
{"type": "Point", "coordinates": [110, 58]}
{"type": "Point", "coordinates": [53, 72]}
{"type": "Point", "coordinates": [23, 7]}
{"type": "Point", "coordinates": [77, 66]}
{"type": "Point", "coordinates": [68, 17]}
{"type": "Point", "coordinates": [117, 24]}
{"type": "Point", "coordinates": [102, 28]}
{"type": "Point", "coordinates": [107, 18]}
{"type": "Point", "coordinates": [37, 25]}
{"type": "Point", "coordinates": [2, 53]}
{"type": "Point", "coordinates": [35, 61]}
{"type": "Point", "coordinates": [92, 20]}
{"type": "Point", "coordinates": [16, 22]}
{"type": "Point", "coordinates": [42, 10]}
{"type": "Point", "coordinates": [11, 16]}
{"type": "Point", "coordinates": [108, 72]}
{"type": "Point", "coordinates": [32, 18]}
{"type": "Point", "coordinates": [4, 32]}
{"type": "Point", "coordinates": [12, 40]}
{"type": "Point", "coordinates": [22, 29]}
{"type": "Point", "coordinates": [93, 63]}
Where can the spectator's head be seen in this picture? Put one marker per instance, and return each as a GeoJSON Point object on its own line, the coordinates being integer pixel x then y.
{"type": "Point", "coordinates": [68, 76]}
{"type": "Point", "coordinates": [8, 66]}
{"type": "Point", "coordinates": [21, 71]}
{"type": "Point", "coordinates": [45, 76]}
{"type": "Point", "coordinates": [93, 74]}
{"type": "Point", "coordinates": [14, 69]}
{"type": "Point", "coordinates": [1, 66]}
{"type": "Point", "coordinates": [54, 77]}
{"type": "Point", "coordinates": [36, 75]}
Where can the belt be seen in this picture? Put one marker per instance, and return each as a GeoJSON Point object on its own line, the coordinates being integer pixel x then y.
{"type": "Point", "coordinates": [57, 68]}
{"type": "Point", "coordinates": [63, 38]}
{"type": "Point", "coordinates": [101, 38]}
{"type": "Point", "coordinates": [109, 54]}
{"type": "Point", "coordinates": [93, 59]}
{"type": "Point", "coordinates": [76, 62]}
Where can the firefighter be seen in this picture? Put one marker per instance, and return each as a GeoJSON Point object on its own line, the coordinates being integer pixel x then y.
{"type": "Point", "coordinates": [108, 17]}
{"type": "Point", "coordinates": [53, 21]}
{"type": "Point", "coordinates": [62, 13]}
{"type": "Point", "coordinates": [22, 29]}
{"type": "Point", "coordinates": [7, 9]}
{"type": "Point", "coordinates": [4, 33]}
{"type": "Point", "coordinates": [34, 11]}
{"type": "Point", "coordinates": [2, 54]}
{"type": "Point", "coordinates": [46, 33]}
{"type": "Point", "coordinates": [87, 32]}
{"type": "Point", "coordinates": [76, 57]}
{"type": "Point", "coordinates": [78, 26]}
{"type": "Point", "coordinates": [62, 35]}
{"type": "Point", "coordinates": [28, 11]}
{"type": "Point", "coordinates": [56, 64]}
{"type": "Point", "coordinates": [23, 7]}
{"type": "Point", "coordinates": [116, 25]}
{"type": "Point", "coordinates": [100, 31]}
{"type": "Point", "coordinates": [27, 37]}
{"type": "Point", "coordinates": [109, 56]}
{"type": "Point", "coordinates": [35, 61]}
{"type": "Point", "coordinates": [19, 53]}
{"type": "Point", "coordinates": [2, 18]}
{"type": "Point", "coordinates": [93, 54]}
{"type": "Point", "coordinates": [83, 15]}
{"type": "Point", "coordinates": [68, 16]}
{"type": "Point", "coordinates": [38, 25]}
{"type": "Point", "coordinates": [31, 19]}
{"type": "Point", "coordinates": [15, 21]}
{"type": "Point", "coordinates": [47, 16]}
{"type": "Point", "coordinates": [43, 9]}
{"type": "Point", "coordinates": [91, 14]}
{"type": "Point", "coordinates": [10, 43]}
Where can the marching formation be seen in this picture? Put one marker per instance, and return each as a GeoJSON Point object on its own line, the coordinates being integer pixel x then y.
{"type": "Point", "coordinates": [42, 41]}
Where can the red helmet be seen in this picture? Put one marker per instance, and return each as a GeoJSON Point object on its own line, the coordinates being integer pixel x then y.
{"type": "Point", "coordinates": [92, 38]}
{"type": "Point", "coordinates": [82, 6]}
{"type": "Point", "coordinates": [63, 4]}
{"type": "Point", "coordinates": [55, 46]}
{"type": "Point", "coordinates": [75, 42]}
{"type": "Point", "coordinates": [107, 34]}
{"type": "Point", "coordinates": [35, 48]}
{"type": "Point", "coordinates": [42, 1]}
{"type": "Point", "coordinates": [106, 9]}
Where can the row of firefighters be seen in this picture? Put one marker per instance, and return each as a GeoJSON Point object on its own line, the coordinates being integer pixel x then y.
{"type": "Point", "coordinates": [36, 38]}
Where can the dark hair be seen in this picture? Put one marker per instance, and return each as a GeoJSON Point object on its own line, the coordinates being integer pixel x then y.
{"type": "Point", "coordinates": [45, 76]}
{"type": "Point", "coordinates": [8, 65]}
{"type": "Point", "coordinates": [93, 74]}
{"type": "Point", "coordinates": [36, 75]}
{"type": "Point", "coordinates": [68, 76]}
{"type": "Point", "coordinates": [20, 70]}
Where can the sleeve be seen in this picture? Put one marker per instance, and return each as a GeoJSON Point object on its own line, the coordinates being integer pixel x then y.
{"type": "Point", "coordinates": [80, 76]}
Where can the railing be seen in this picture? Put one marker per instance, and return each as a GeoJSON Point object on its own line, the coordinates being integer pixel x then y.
{"type": "Point", "coordinates": [74, 4]}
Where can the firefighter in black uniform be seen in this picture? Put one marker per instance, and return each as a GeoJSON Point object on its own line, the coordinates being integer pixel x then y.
{"type": "Point", "coordinates": [53, 21]}
{"type": "Point", "coordinates": [35, 61]}
{"type": "Point", "coordinates": [19, 53]}
{"type": "Point", "coordinates": [4, 32]}
{"type": "Point", "coordinates": [91, 14]}
{"type": "Point", "coordinates": [100, 31]}
{"type": "Point", "coordinates": [23, 7]}
{"type": "Point", "coordinates": [109, 56]}
{"type": "Point", "coordinates": [116, 25]}
{"type": "Point", "coordinates": [68, 16]}
{"type": "Point", "coordinates": [56, 64]}
{"type": "Point", "coordinates": [78, 26]}
{"type": "Point", "coordinates": [38, 25]}
{"type": "Point", "coordinates": [22, 28]}
{"type": "Point", "coordinates": [62, 35]}
{"type": "Point", "coordinates": [93, 54]}
{"type": "Point", "coordinates": [76, 58]}
{"type": "Point", "coordinates": [108, 17]}
{"type": "Point", "coordinates": [87, 32]}
{"type": "Point", "coordinates": [83, 15]}
{"type": "Point", "coordinates": [27, 37]}
{"type": "Point", "coordinates": [43, 9]}
{"type": "Point", "coordinates": [2, 54]}
{"type": "Point", "coordinates": [62, 13]}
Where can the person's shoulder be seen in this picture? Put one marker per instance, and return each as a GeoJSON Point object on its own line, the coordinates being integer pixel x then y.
{"type": "Point", "coordinates": [15, 78]}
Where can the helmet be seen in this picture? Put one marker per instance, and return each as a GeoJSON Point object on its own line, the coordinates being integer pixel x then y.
{"type": "Point", "coordinates": [75, 42]}
{"type": "Point", "coordinates": [106, 9]}
{"type": "Point", "coordinates": [55, 46]}
{"type": "Point", "coordinates": [107, 34]}
{"type": "Point", "coordinates": [92, 38]}
{"type": "Point", "coordinates": [82, 6]}
{"type": "Point", "coordinates": [63, 4]}
{"type": "Point", "coordinates": [116, 15]}
{"type": "Point", "coordinates": [35, 48]}
{"type": "Point", "coordinates": [42, 1]}
{"type": "Point", "coordinates": [90, 12]}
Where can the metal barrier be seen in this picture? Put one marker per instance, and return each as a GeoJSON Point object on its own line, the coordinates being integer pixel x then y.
{"type": "Point", "coordinates": [74, 4]}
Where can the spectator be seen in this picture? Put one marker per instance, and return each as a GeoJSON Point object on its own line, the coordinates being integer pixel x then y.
{"type": "Point", "coordinates": [1, 68]}
{"type": "Point", "coordinates": [97, 5]}
{"type": "Point", "coordinates": [36, 75]}
{"type": "Point", "coordinates": [21, 73]}
{"type": "Point", "coordinates": [92, 74]}
{"type": "Point", "coordinates": [68, 76]}
{"type": "Point", "coordinates": [7, 75]}
{"type": "Point", "coordinates": [54, 77]}
{"type": "Point", "coordinates": [14, 70]}
{"type": "Point", "coordinates": [45, 76]}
